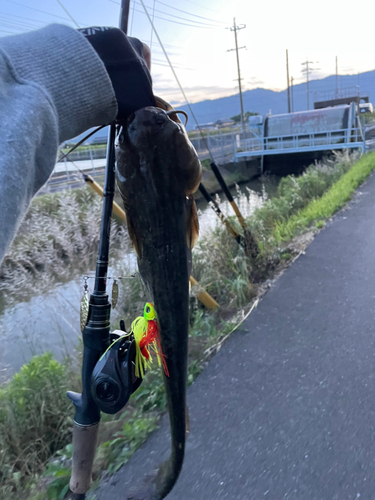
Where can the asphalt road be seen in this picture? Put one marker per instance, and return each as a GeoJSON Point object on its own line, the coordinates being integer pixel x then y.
{"type": "Point", "coordinates": [286, 409]}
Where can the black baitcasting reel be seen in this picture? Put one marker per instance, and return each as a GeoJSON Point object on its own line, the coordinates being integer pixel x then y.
{"type": "Point", "coordinates": [113, 379]}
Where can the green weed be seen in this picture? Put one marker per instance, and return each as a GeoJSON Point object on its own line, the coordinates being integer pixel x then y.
{"type": "Point", "coordinates": [115, 453]}
{"type": "Point", "coordinates": [35, 420]}
{"type": "Point", "coordinates": [324, 207]}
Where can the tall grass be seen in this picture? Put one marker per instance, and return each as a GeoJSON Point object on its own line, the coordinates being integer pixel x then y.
{"type": "Point", "coordinates": [58, 229]}
{"type": "Point", "coordinates": [294, 193]}
{"type": "Point", "coordinates": [221, 265]}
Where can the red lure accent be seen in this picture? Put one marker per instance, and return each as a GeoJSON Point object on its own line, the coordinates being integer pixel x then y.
{"type": "Point", "coordinates": [153, 336]}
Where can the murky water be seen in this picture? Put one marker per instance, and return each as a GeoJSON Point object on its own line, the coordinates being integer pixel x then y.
{"type": "Point", "coordinates": [51, 321]}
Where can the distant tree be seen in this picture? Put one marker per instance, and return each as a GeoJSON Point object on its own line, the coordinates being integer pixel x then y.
{"type": "Point", "coordinates": [237, 118]}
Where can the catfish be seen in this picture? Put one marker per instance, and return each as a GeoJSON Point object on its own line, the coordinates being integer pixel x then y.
{"type": "Point", "coordinates": [157, 171]}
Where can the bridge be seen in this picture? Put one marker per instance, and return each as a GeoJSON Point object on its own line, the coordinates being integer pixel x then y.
{"type": "Point", "coordinates": [307, 132]}
{"type": "Point", "coordinates": [298, 138]}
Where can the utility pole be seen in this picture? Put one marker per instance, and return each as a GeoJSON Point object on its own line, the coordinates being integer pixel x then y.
{"type": "Point", "coordinates": [291, 91]}
{"type": "Point", "coordinates": [307, 70]}
{"type": "Point", "coordinates": [337, 87]}
{"type": "Point", "coordinates": [236, 28]}
{"type": "Point", "coordinates": [287, 78]}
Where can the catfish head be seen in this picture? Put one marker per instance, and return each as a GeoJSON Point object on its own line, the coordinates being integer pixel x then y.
{"type": "Point", "coordinates": [157, 172]}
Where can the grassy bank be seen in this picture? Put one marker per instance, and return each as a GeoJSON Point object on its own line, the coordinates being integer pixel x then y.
{"type": "Point", "coordinates": [320, 209]}
{"type": "Point", "coordinates": [58, 229]}
{"type": "Point", "coordinates": [300, 204]}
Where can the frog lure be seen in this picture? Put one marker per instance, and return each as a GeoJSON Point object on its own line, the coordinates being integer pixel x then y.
{"type": "Point", "coordinates": [147, 337]}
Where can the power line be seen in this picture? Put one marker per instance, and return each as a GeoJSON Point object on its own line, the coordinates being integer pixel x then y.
{"type": "Point", "coordinates": [183, 18]}
{"type": "Point", "coordinates": [22, 17]}
{"type": "Point", "coordinates": [18, 24]}
{"type": "Point", "coordinates": [200, 6]}
{"type": "Point", "coordinates": [182, 24]}
{"type": "Point", "coordinates": [197, 25]}
{"type": "Point", "coordinates": [16, 30]}
{"type": "Point", "coordinates": [189, 13]}
{"type": "Point", "coordinates": [38, 10]}
{"type": "Point", "coordinates": [163, 63]}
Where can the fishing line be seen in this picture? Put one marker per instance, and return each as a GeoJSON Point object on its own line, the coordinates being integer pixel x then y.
{"type": "Point", "coordinates": [248, 236]}
{"type": "Point", "coordinates": [152, 31]}
{"type": "Point", "coordinates": [71, 17]}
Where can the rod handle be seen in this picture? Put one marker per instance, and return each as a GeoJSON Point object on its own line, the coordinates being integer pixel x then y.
{"type": "Point", "coordinates": [85, 438]}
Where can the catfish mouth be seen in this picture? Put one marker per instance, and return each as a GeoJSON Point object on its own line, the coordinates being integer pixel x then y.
{"type": "Point", "coordinates": [157, 171]}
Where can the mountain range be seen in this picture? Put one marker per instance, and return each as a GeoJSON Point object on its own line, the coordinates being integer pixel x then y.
{"type": "Point", "coordinates": [264, 101]}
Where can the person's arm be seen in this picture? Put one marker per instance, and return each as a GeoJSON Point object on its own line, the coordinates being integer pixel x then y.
{"type": "Point", "coordinates": [54, 85]}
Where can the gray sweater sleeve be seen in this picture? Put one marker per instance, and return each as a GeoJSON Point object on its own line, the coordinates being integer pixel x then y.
{"type": "Point", "coordinates": [53, 86]}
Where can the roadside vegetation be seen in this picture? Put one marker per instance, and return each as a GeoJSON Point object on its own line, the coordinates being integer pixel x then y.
{"type": "Point", "coordinates": [35, 417]}
{"type": "Point", "coordinates": [369, 118]}
{"type": "Point", "coordinates": [247, 114]}
{"type": "Point", "coordinates": [58, 229]}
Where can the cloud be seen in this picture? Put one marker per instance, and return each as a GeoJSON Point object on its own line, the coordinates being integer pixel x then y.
{"type": "Point", "coordinates": [195, 93]}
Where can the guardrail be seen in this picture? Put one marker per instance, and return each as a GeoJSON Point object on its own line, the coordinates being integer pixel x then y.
{"type": "Point", "coordinates": [298, 143]}
{"type": "Point", "coordinates": [225, 147]}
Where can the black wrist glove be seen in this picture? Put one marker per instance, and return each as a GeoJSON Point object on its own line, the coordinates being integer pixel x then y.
{"type": "Point", "coordinates": [122, 57]}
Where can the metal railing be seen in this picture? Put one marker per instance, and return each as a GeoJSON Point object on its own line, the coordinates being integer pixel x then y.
{"type": "Point", "coordinates": [225, 147]}
{"type": "Point", "coordinates": [342, 93]}
{"type": "Point", "coordinates": [314, 141]}
{"type": "Point", "coordinates": [88, 153]}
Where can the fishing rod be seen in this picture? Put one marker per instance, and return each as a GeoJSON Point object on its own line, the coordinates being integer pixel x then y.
{"type": "Point", "coordinates": [248, 241]}
{"type": "Point", "coordinates": [108, 377]}
{"type": "Point", "coordinates": [215, 206]}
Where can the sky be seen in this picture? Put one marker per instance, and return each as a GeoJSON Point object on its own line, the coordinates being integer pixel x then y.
{"type": "Point", "coordinates": [197, 36]}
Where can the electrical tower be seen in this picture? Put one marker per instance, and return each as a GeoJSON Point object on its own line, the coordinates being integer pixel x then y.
{"type": "Point", "coordinates": [308, 70]}
{"type": "Point", "coordinates": [236, 28]}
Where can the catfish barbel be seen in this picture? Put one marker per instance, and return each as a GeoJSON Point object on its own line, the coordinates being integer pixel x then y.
{"type": "Point", "coordinates": [158, 171]}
